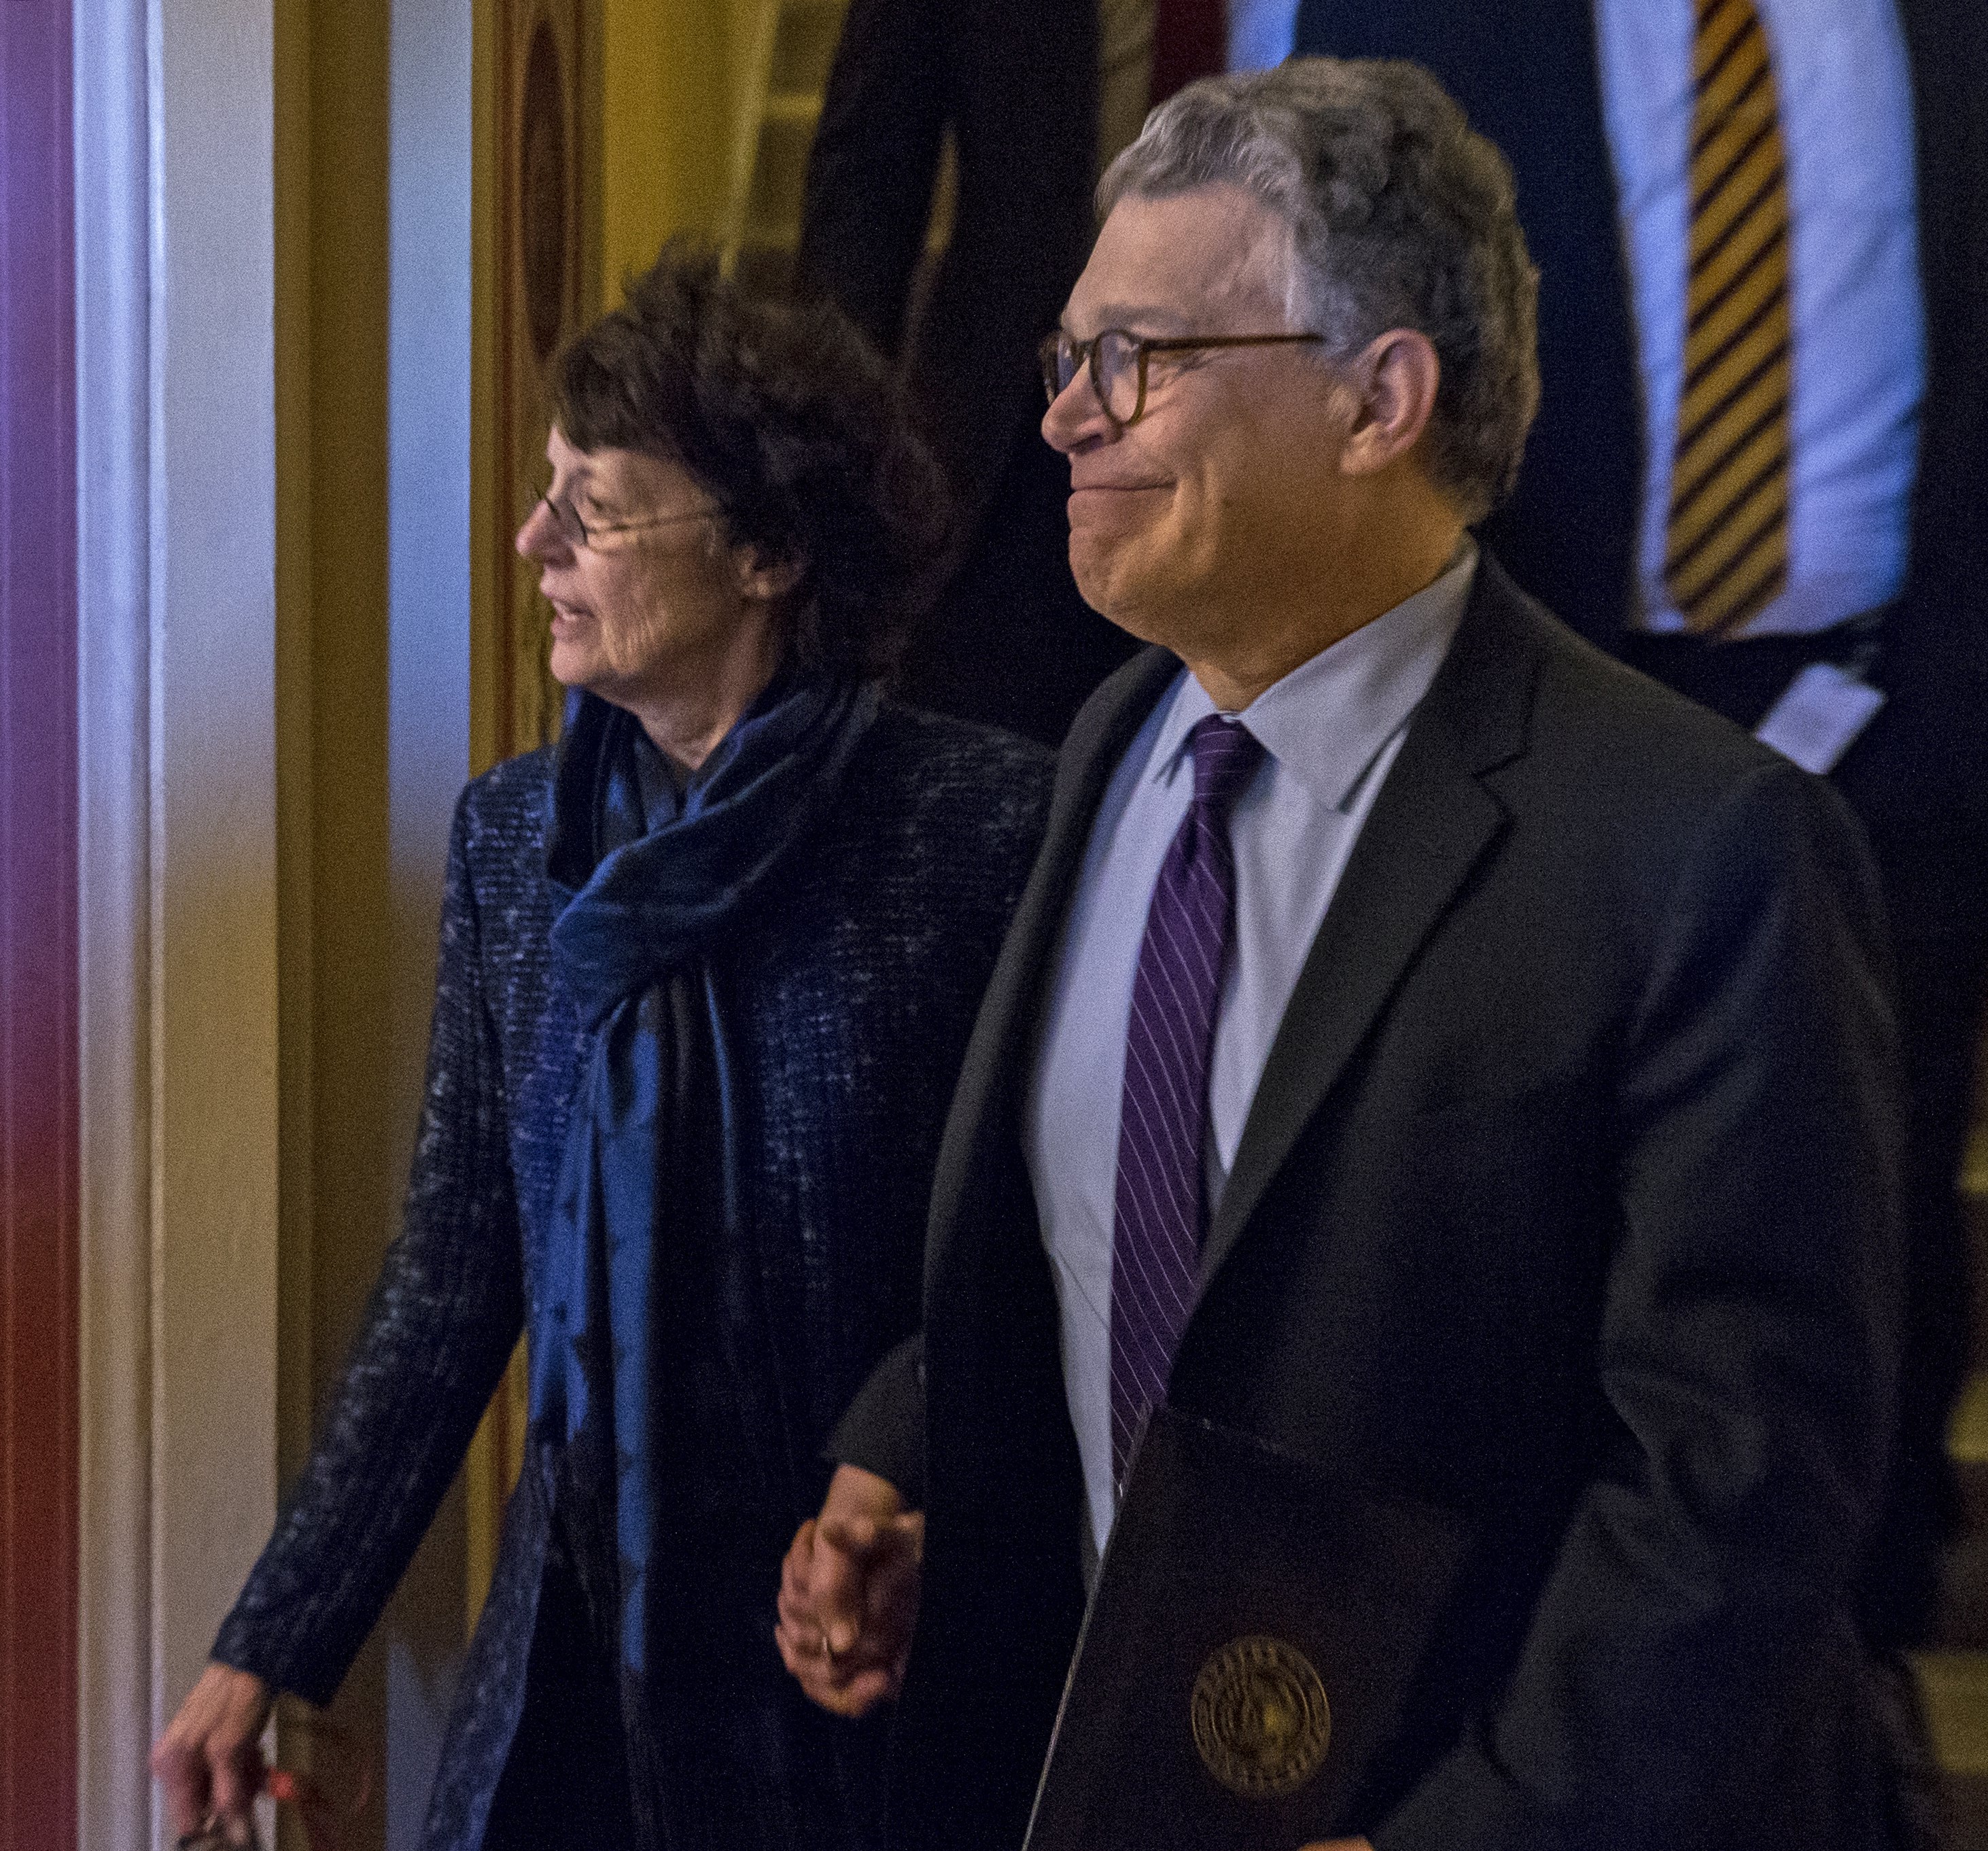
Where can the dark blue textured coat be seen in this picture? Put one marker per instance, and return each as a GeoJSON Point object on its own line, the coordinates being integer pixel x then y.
{"type": "Point", "coordinates": [854, 985]}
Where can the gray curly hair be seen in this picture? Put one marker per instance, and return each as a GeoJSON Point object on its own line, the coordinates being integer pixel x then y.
{"type": "Point", "coordinates": [1398, 215]}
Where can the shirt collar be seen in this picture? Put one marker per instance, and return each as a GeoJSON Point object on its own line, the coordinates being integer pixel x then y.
{"type": "Point", "coordinates": [1327, 720]}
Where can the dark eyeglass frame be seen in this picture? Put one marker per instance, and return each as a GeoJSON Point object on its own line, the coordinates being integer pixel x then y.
{"type": "Point", "coordinates": [574, 529]}
{"type": "Point", "coordinates": [1085, 354]}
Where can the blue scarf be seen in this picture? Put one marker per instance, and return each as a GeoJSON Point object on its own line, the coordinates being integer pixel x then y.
{"type": "Point", "coordinates": [646, 896]}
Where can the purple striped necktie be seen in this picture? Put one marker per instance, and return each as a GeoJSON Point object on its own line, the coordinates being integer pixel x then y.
{"type": "Point", "coordinates": [1159, 1211]}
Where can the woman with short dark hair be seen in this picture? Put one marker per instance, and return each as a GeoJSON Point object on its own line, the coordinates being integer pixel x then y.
{"type": "Point", "coordinates": [707, 969]}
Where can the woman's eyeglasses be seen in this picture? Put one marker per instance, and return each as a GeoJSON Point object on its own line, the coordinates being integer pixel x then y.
{"type": "Point", "coordinates": [1117, 361]}
{"type": "Point", "coordinates": [578, 532]}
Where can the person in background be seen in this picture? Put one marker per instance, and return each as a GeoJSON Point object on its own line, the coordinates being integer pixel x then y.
{"type": "Point", "coordinates": [1038, 96]}
{"type": "Point", "coordinates": [1426, 1048]}
{"type": "Point", "coordinates": [708, 968]}
{"type": "Point", "coordinates": [1763, 451]}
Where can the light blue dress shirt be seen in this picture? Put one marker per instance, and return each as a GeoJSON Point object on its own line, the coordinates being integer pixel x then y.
{"type": "Point", "coordinates": [1844, 91]}
{"type": "Point", "coordinates": [1330, 730]}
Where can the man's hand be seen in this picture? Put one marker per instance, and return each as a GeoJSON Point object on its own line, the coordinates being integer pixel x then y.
{"type": "Point", "coordinates": [849, 1594]}
{"type": "Point", "coordinates": [209, 1761]}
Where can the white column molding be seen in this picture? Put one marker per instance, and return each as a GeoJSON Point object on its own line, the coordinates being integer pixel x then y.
{"type": "Point", "coordinates": [114, 913]}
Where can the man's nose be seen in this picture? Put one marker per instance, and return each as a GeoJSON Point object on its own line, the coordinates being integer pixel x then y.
{"type": "Point", "coordinates": [1076, 416]}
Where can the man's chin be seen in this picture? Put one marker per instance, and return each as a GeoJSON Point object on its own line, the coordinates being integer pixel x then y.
{"type": "Point", "coordinates": [1138, 620]}
{"type": "Point", "coordinates": [1103, 589]}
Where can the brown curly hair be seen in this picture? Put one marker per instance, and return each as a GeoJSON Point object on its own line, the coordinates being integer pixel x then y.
{"type": "Point", "coordinates": [793, 424]}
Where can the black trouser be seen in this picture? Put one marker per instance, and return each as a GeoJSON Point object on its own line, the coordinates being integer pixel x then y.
{"type": "Point", "coordinates": [1934, 877]}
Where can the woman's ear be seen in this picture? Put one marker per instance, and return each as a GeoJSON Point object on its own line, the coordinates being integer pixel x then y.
{"type": "Point", "coordinates": [759, 582]}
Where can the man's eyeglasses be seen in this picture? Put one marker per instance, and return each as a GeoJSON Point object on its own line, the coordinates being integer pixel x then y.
{"type": "Point", "coordinates": [576, 531]}
{"type": "Point", "coordinates": [1117, 361]}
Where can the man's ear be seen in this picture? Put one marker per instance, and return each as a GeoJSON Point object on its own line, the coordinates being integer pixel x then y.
{"type": "Point", "coordinates": [760, 582]}
{"type": "Point", "coordinates": [1396, 378]}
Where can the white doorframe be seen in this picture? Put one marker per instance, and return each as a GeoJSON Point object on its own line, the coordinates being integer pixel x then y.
{"type": "Point", "coordinates": [175, 189]}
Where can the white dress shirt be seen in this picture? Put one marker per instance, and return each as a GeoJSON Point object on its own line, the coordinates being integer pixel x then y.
{"type": "Point", "coordinates": [1330, 730]}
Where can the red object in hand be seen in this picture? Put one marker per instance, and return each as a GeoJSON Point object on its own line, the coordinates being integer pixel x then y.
{"type": "Point", "coordinates": [289, 1788]}
{"type": "Point", "coordinates": [321, 1819]}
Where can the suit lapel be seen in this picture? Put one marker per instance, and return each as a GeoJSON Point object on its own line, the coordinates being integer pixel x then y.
{"type": "Point", "coordinates": [991, 1078]}
{"type": "Point", "coordinates": [1430, 825]}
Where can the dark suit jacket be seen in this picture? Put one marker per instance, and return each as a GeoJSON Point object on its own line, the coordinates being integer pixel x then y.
{"type": "Point", "coordinates": [1567, 1203]}
{"type": "Point", "coordinates": [1525, 71]}
{"type": "Point", "coordinates": [1008, 642]}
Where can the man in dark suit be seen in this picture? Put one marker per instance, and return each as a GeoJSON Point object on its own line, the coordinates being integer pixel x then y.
{"type": "Point", "coordinates": [1883, 108]}
{"type": "Point", "coordinates": [1017, 84]}
{"type": "Point", "coordinates": [1425, 1046]}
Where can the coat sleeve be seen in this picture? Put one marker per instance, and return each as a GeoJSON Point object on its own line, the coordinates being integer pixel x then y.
{"type": "Point", "coordinates": [432, 1345]}
{"type": "Point", "coordinates": [868, 196]}
{"type": "Point", "coordinates": [883, 1430]}
{"type": "Point", "coordinates": [1748, 1349]}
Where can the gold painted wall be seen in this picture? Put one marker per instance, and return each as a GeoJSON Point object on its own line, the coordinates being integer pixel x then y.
{"type": "Point", "coordinates": [669, 80]}
{"type": "Point", "coordinates": [344, 1122]}
{"type": "Point", "coordinates": [337, 1192]}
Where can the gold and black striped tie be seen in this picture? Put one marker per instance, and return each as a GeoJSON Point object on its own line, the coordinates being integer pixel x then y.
{"type": "Point", "coordinates": [1726, 541]}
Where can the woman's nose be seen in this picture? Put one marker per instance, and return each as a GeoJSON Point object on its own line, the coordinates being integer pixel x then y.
{"type": "Point", "coordinates": [540, 536]}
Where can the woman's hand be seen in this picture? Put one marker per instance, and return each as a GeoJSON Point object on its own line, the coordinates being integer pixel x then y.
{"type": "Point", "coordinates": [849, 1594]}
{"type": "Point", "coordinates": [209, 1760]}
